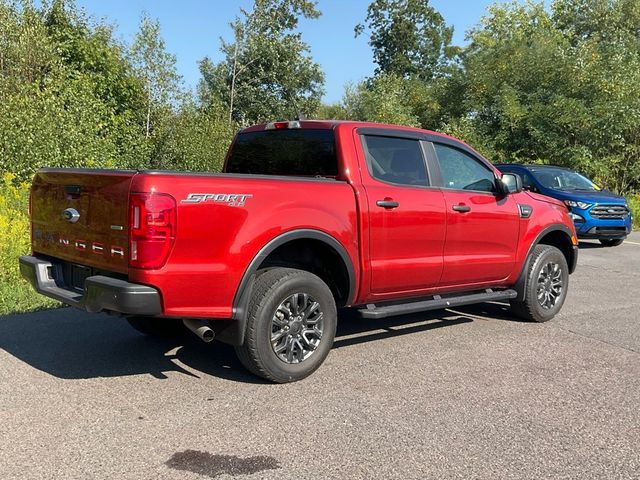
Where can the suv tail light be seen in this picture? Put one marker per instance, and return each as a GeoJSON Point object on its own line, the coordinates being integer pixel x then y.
{"type": "Point", "coordinates": [152, 229]}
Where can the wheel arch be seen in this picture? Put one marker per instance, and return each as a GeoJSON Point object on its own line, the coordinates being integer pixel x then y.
{"type": "Point", "coordinates": [270, 254]}
{"type": "Point", "coordinates": [557, 235]}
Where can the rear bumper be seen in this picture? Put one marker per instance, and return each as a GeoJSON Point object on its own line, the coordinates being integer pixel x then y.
{"type": "Point", "coordinates": [101, 293]}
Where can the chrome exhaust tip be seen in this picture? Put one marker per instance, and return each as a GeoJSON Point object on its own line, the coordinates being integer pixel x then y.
{"type": "Point", "coordinates": [201, 328]}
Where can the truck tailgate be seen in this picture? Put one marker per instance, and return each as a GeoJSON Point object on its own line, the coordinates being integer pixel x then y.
{"type": "Point", "coordinates": [81, 216]}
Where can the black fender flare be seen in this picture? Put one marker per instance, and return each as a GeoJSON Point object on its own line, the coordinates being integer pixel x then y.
{"type": "Point", "coordinates": [521, 283]}
{"type": "Point", "coordinates": [233, 331]}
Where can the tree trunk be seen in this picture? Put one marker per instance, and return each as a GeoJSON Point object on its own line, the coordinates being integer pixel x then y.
{"type": "Point", "coordinates": [148, 129]}
{"type": "Point", "coordinates": [233, 82]}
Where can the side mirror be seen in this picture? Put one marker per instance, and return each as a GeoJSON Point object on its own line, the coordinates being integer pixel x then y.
{"type": "Point", "coordinates": [511, 183]}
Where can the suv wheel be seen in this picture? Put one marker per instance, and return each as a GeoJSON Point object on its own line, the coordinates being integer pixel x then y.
{"type": "Point", "coordinates": [157, 327]}
{"type": "Point", "coordinates": [611, 242]}
{"type": "Point", "coordinates": [546, 286]}
{"type": "Point", "coordinates": [291, 324]}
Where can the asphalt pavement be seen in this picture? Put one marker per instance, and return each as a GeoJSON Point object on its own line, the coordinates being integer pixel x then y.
{"type": "Point", "coordinates": [464, 393]}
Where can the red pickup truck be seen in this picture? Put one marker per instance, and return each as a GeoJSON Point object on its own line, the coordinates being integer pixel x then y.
{"type": "Point", "coordinates": [308, 217]}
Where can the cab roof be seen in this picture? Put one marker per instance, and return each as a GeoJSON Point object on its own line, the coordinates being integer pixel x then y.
{"type": "Point", "coordinates": [331, 124]}
{"type": "Point", "coordinates": [532, 166]}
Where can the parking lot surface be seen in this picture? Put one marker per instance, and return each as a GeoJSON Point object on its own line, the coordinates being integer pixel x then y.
{"type": "Point", "coordinates": [464, 393]}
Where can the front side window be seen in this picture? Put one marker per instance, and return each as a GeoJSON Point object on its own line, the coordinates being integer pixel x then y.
{"type": "Point", "coordinates": [395, 160]}
{"type": "Point", "coordinates": [461, 171]}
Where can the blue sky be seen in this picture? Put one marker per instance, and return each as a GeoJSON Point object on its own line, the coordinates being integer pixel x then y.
{"type": "Point", "coordinates": [192, 28]}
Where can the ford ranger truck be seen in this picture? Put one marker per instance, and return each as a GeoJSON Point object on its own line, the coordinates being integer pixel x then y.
{"type": "Point", "coordinates": [308, 217]}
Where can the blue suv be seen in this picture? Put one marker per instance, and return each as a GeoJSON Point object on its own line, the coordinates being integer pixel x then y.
{"type": "Point", "coordinates": [595, 212]}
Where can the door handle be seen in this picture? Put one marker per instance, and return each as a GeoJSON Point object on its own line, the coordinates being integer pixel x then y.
{"type": "Point", "coordinates": [461, 208]}
{"type": "Point", "coordinates": [387, 203]}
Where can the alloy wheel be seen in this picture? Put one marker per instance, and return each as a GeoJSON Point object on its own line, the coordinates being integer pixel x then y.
{"type": "Point", "coordinates": [296, 328]}
{"type": "Point", "coordinates": [550, 285]}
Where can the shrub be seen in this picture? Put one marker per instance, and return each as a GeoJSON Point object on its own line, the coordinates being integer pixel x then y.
{"type": "Point", "coordinates": [634, 204]}
{"type": "Point", "coordinates": [16, 295]}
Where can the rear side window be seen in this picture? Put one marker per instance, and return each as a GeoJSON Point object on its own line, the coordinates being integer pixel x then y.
{"type": "Point", "coordinates": [463, 172]}
{"type": "Point", "coordinates": [395, 160]}
{"type": "Point", "coordinates": [297, 152]}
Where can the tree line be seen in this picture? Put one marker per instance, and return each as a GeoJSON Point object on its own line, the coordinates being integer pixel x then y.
{"type": "Point", "coordinates": [556, 84]}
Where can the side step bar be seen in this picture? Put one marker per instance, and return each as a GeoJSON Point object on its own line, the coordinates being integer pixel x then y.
{"type": "Point", "coordinates": [436, 303]}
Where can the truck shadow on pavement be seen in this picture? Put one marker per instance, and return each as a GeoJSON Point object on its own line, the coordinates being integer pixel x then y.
{"type": "Point", "coordinates": [70, 344]}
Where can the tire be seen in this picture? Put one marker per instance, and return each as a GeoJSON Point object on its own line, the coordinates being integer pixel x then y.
{"type": "Point", "coordinates": [157, 327]}
{"type": "Point", "coordinates": [546, 285]}
{"type": "Point", "coordinates": [285, 303]}
{"type": "Point", "coordinates": [611, 242]}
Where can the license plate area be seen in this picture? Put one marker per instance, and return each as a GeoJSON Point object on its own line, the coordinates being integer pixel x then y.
{"type": "Point", "coordinates": [75, 275]}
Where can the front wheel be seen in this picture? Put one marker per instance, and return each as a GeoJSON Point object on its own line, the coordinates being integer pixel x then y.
{"type": "Point", "coordinates": [291, 324]}
{"type": "Point", "coordinates": [546, 286]}
{"type": "Point", "coordinates": [611, 242]}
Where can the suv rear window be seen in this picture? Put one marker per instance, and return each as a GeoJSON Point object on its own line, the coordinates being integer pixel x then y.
{"type": "Point", "coordinates": [297, 152]}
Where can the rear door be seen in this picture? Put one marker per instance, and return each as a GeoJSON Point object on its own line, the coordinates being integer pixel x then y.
{"type": "Point", "coordinates": [406, 216]}
{"type": "Point", "coordinates": [482, 225]}
{"type": "Point", "coordinates": [82, 216]}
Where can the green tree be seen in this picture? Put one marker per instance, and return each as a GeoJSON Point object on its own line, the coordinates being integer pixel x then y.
{"type": "Point", "coordinates": [89, 49]}
{"type": "Point", "coordinates": [385, 99]}
{"type": "Point", "coordinates": [559, 85]}
{"type": "Point", "coordinates": [389, 98]}
{"type": "Point", "coordinates": [267, 72]}
{"type": "Point", "coordinates": [409, 38]}
{"type": "Point", "coordinates": [332, 111]}
{"type": "Point", "coordinates": [418, 79]}
{"type": "Point", "coordinates": [26, 54]}
{"type": "Point", "coordinates": [157, 69]}
{"type": "Point", "coordinates": [194, 138]}
{"type": "Point", "coordinates": [67, 94]}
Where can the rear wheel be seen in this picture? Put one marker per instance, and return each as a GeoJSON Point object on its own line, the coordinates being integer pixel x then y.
{"type": "Point", "coordinates": [291, 324]}
{"type": "Point", "coordinates": [546, 286]}
{"type": "Point", "coordinates": [157, 327]}
{"type": "Point", "coordinates": [611, 242]}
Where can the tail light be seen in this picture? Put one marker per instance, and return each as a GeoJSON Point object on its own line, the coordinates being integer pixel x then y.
{"type": "Point", "coordinates": [152, 229]}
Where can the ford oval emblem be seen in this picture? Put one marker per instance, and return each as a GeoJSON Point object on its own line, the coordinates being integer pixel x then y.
{"type": "Point", "coordinates": [71, 215]}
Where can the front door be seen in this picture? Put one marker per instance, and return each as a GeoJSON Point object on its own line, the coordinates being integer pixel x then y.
{"type": "Point", "coordinates": [482, 225]}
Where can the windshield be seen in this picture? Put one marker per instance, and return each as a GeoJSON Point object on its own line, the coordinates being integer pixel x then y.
{"type": "Point", "coordinates": [560, 179]}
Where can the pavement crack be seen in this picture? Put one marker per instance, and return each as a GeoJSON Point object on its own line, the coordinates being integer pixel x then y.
{"type": "Point", "coordinates": [599, 340]}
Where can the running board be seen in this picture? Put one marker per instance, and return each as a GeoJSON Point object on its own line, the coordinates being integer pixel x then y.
{"type": "Point", "coordinates": [436, 303]}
